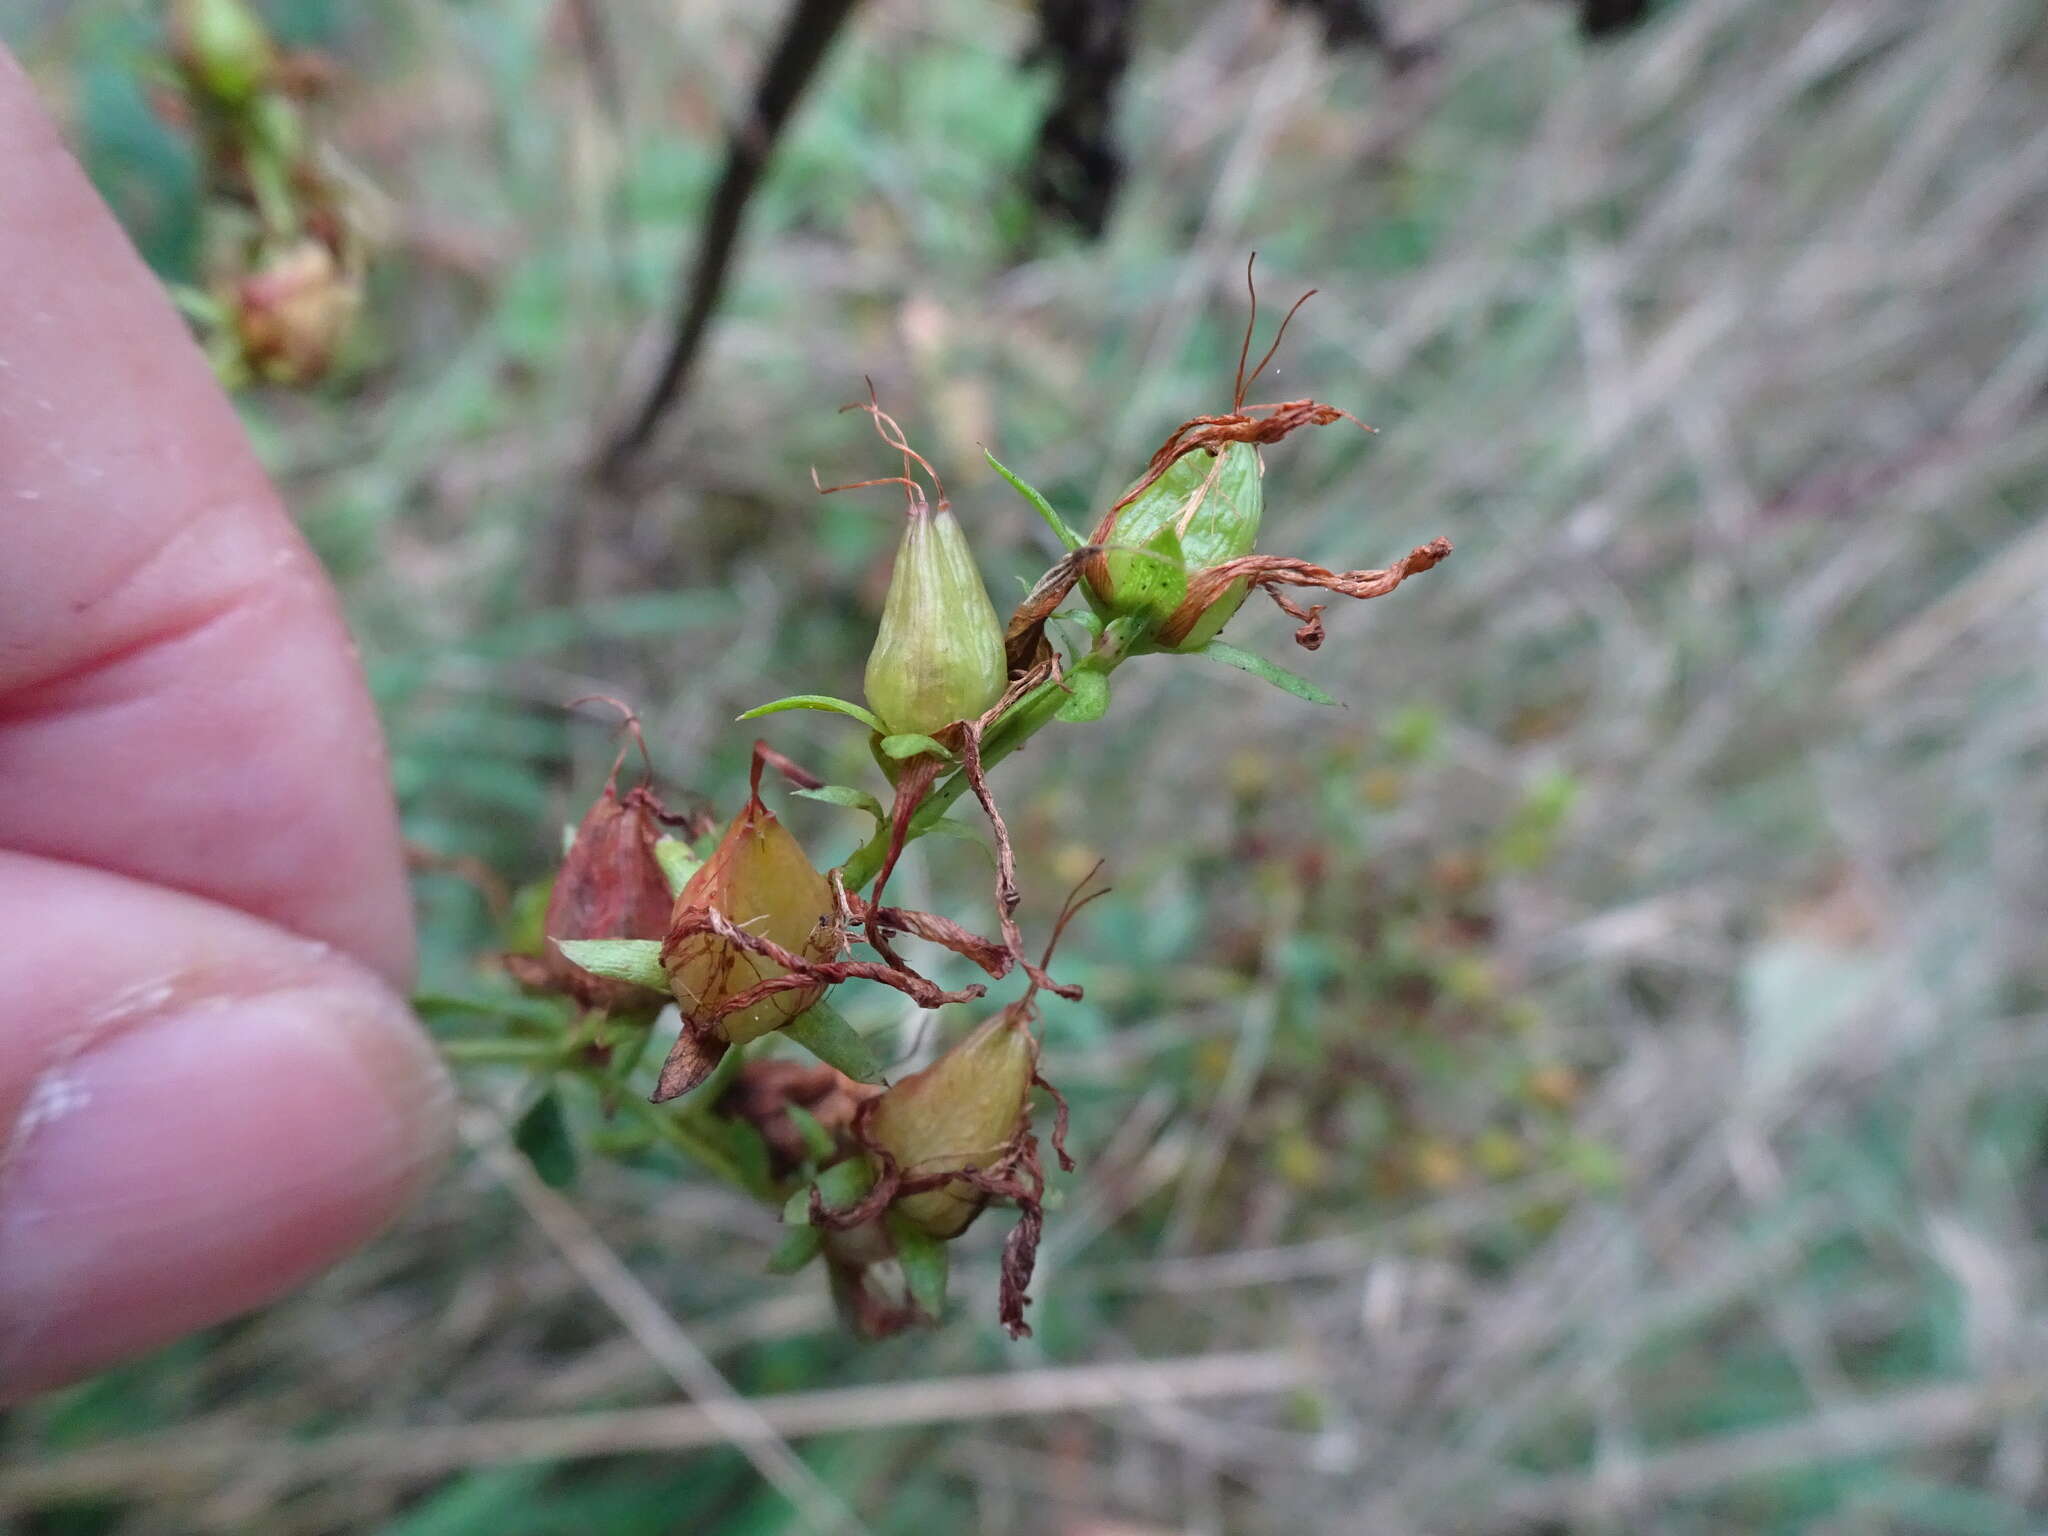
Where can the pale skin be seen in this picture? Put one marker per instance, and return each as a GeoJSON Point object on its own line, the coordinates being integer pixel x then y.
{"type": "Point", "coordinates": [210, 1087]}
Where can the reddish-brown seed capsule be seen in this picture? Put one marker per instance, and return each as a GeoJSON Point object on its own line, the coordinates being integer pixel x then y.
{"type": "Point", "coordinates": [292, 313]}
{"type": "Point", "coordinates": [610, 887]}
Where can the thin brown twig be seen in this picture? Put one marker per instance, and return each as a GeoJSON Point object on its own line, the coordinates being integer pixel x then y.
{"type": "Point", "coordinates": [1007, 894]}
{"type": "Point", "coordinates": [1059, 1120]}
{"type": "Point", "coordinates": [1272, 571]}
{"type": "Point", "coordinates": [800, 49]}
{"type": "Point", "coordinates": [801, 972]}
{"type": "Point", "coordinates": [992, 957]}
{"type": "Point", "coordinates": [788, 767]}
{"type": "Point", "coordinates": [630, 723]}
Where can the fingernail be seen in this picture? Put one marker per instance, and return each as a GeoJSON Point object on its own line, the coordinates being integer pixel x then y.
{"type": "Point", "coordinates": [188, 1167]}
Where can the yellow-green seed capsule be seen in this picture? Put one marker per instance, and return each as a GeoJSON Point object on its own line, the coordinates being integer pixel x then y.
{"type": "Point", "coordinates": [962, 1111]}
{"type": "Point", "coordinates": [938, 657]}
{"type": "Point", "coordinates": [759, 878]}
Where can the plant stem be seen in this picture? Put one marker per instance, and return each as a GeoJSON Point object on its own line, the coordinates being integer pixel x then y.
{"type": "Point", "coordinates": [679, 1133]}
{"type": "Point", "coordinates": [506, 1052]}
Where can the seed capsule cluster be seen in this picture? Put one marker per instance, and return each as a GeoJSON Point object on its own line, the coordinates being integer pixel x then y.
{"type": "Point", "coordinates": [284, 242]}
{"type": "Point", "coordinates": [878, 1178]}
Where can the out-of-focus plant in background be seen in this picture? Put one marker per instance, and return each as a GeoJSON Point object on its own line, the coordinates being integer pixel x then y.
{"type": "Point", "coordinates": [1606, 1049]}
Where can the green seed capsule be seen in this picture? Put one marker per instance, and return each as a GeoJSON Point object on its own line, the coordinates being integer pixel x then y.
{"type": "Point", "coordinates": [222, 48]}
{"type": "Point", "coordinates": [938, 658]}
{"type": "Point", "coordinates": [1210, 505]}
{"type": "Point", "coordinates": [962, 1111]}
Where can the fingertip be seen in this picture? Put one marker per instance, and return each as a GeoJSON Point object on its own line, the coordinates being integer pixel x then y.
{"type": "Point", "coordinates": [191, 1164]}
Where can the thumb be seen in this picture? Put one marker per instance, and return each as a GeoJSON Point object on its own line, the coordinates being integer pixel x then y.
{"type": "Point", "coordinates": [197, 1111]}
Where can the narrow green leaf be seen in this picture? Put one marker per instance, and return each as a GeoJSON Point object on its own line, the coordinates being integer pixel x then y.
{"type": "Point", "coordinates": [1271, 672]}
{"type": "Point", "coordinates": [434, 1007]}
{"type": "Point", "coordinates": [634, 960]}
{"type": "Point", "coordinates": [798, 1247]}
{"type": "Point", "coordinates": [1067, 537]}
{"type": "Point", "coordinates": [923, 1258]}
{"type": "Point", "coordinates": [818, 701]}
{"type": "Point", "coordinates": [817, 1140]}
{"type": "Point", "coordinates": [543, 1135]}
{"type": "Point", "coordinates": [910, 745]}
{"type": "Point", "coordinates": [846, 795]}
{"type": "Point", "coordinates": [796, 1210]}
{"type": "Point", "coordinates": [621, 1141]}
{"type": "Point", "coordinates": [678, 861]}
{"type": "Point", "coordinates": [824, 1032]}
{"type": "Point", "coordinates": [958, 831]}
{"type": "Point", "coordinates": [737, 1139]}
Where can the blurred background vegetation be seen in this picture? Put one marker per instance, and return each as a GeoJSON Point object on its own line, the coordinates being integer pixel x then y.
{"type": "Point", "coordinates": [1608, 1049]}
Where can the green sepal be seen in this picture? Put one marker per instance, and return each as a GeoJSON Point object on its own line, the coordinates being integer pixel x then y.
{"type": "Point", "coordinates": [818, 701]}
{"type": "Point", "coordinates": [1259, 667]}
{"type": "Point", "coordinates": [1067, 537]}
{"type": "Point", "coordinates": [924, 1262]}
{"type": "Point", "coordinates": [1087, 618]}
{"type": "Point", "coordinates": [678, 861]}
{"type": "Point", "coordinates": [1088, 699]}
{"type": "Point", "coordinates": [846, 795]}
{"type": "Point", "coordinates": [543, 1136]}
{"type": "Point", "coordinates": [1147, 583]}
{"type": "Point", "coordinates": [823, 1031]}
{"type": "Point", "coordinates": [841, 1186]}
{"type": "Point", "coordinates": [798, 1247]}
{"type": "Point", "coordinates": [817, 1140]}
{"type": "Point", "coordinates": [634, 960]}
{"type": "Point", "coordinates": [197, 305]}
{"type": "Point", "coordinates": [909, 745]}
{"type": "Point", "coordinates": [796, 1210]}
{"type": "Point", "coordinates": [1120, 634]}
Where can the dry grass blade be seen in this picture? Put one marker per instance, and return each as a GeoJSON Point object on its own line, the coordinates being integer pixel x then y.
{"type": "Point", "coordinates": [180, 1461]}
{"type": "Point", "coordinates": [665, 1341]}
{"type": "Point", "coordinates": [1924, 1416]}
